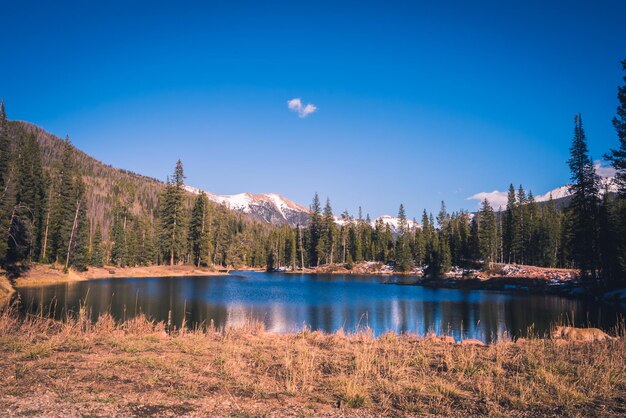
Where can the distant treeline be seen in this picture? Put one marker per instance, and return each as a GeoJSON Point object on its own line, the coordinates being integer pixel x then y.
{"type": "Point", "coordinates": [57, 204]}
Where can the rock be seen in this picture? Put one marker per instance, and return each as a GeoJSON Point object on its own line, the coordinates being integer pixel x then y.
{"type": "Point", "coordinates": [580, 334]}
{"type": "Point", "coordinates": [472, 341]}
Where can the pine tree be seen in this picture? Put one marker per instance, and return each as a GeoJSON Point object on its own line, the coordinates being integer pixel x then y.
{"type": "Point", "coordinates": [119, 250]}
{"type": "Point", "coordinates": [68, 215]}
{"type": "Point", "coordinates": [172, 217]}
{"type": "Point", "coordinates": [329, 231]}
{"type": "Point", "coordinates": [7, 201]}
{"type": "Point", "coordinates": [404, 261]}
{"type": "Point", "coordinates": [617, 157]}
{"type": "Point", "coordinates": [510, 226]}
{"type": "Point", "coordinates": [611, 268]}
{"type": "Point", "coordinates": [97, 257]}
{"type": "Point", "coordinates": [315, 231]}
{"type": "Point", "coordinates": [29, 193]}
{"type": "Point", "coordinates": [532, 224]}
{"type": "Point", "coordinates": [5, 149]}
{"type": "Point", "coordinates": [584, 203]}
{"type": "Point", "coordinates": [521, 228]}
{"type": "Point", "coordinates": [198, 230]}
{"type": "Point", "coordinates": [487, 233]}
{"type": "Point", "coordinates": [78, 243]}
{"type": "Point", "coordinates": [614, 213]}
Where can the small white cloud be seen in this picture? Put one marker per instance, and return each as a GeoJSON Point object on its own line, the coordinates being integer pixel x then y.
{"type": "Point", "coordinates": [302, 110]}
{"type": "Point", "coordinates": [603, 171]}
{"type": "Point", "coordinates": [496, 199]}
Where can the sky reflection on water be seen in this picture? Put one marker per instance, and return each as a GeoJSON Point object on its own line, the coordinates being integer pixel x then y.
{"type": "Point", "coordinates": [287, 303]}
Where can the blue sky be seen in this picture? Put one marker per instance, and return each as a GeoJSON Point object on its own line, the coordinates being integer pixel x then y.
{"type": "Point", "coordinates": [415, 101]}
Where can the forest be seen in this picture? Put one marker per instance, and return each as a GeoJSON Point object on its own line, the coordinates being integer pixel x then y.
{"type": "Point", "coordinates": [59, 205]}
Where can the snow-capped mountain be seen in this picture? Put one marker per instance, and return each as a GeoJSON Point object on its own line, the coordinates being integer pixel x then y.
{"type": "Point", "coordinates": [393, 222]}
{"type": "Point", "coordinates": [278, 210]}
{"type": "Point", "coordinates": [606, 183]}
{"type": "Point", "coordinates": [270, 207]}
{"type": "Point", "coordinates": [561, 195]}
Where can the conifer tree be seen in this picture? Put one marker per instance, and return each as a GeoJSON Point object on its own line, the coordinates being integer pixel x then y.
{"type": "Point", "coordinates": [97, 257]}
{"type": "Point", "coordinates": [584, 203]}
{"type": "Point", "coordinates": [510, 226]}
{"type": "Point", "coordinates": [487, 233]}
{"type": "Point", "coordinates": [198, 230]}
{"type": "Point", "coordinates": [315, 231]}
{"type": "Point", "coordinates": [6, 196]}
{"type": "Point", "coordinates": [68, 214]}
{"type": "Point", "coordinates": [521, 228]}
{"type": "Point", "coordinates": [610, 265]}
{"type": "Point", "coordinates": [532, 224]}
{"type": "Point", "coordinates": [614, 213]}
{"type": "Point", "coordinates": [172, 218]}
{"type": "Point", "coordinates": [119, 250]}
{"type": "Point", "coordinates": [617, 157]}
{"type": "Point", "coordinates": [5, 149]}
{"type": "Point", "coordinates": [329, 230]}
{"type": "Point", "coordinates": [404, 261]}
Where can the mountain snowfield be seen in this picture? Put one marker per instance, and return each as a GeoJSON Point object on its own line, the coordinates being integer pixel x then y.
{"type": "Point", "coordinates": [278, 210]}
{"type": "Point", "coordinates": [606, 183]}
{"type": "Point", "coordinates": [498, 199]}
{"type": "Point", "coordinates": [270, 207]}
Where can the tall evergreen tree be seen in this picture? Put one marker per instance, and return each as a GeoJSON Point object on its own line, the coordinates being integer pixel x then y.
{"type": "Point", "coordinates": [198, 230]}
{"type": "Point", "coordinates": [172, 220]}
{"type": "Point", "coordinates": [68, 214]}
{"type": "Point", "coordinates": [617, 157]}
{"type": "Point", "coordinates": [611, 264]}
{"type": "Point", "coordinates": [487, 233]}
{"type": "Point", "coordinates": [329, 229]}
{"type": "Point", "coordinates": [315, 231]}
{"type": "Point", "coordinates": [584, 203]}
{"type": "Point", "coordinates": [404, 260]}
{"type": "Point", "coordinates": [5, 149]}
{"type": "Point", "coordinates": [119, 250]}
{"type": "Point", "coordinates": [6, 197]}
{"type": "Point", "coordinates": [510, 226]}
{"type": "Point", "coordinates": [97, 257]}
{"type": "Point", "coordinates": [521, 227]}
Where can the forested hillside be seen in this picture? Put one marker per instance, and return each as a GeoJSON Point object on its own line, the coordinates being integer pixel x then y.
{"type": "Point", "coordinates": [62, 205]}
{"type": "Point", "coordinates": [105, 186]}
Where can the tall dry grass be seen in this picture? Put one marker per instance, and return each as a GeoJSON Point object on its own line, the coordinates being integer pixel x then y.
{"type": "Point", "coordinates": [122, 368]}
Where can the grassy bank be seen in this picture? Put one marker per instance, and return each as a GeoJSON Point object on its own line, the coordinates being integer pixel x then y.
{"type": "Point", "coordinates": [6, 289]}
{"type": "Point", "coordinates": [135, 368]}
{"type": "Point", "coordinates": [42, 274]}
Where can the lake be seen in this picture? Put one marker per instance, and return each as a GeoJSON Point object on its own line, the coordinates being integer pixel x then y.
{"type": "Point", "coordinates": [289, 302]}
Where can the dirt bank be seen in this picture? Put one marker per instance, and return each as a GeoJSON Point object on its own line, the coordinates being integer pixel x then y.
{"type": "Point", "coordinates": [6, 289]}
{"type": "Point", "coordinates": [42, 274]}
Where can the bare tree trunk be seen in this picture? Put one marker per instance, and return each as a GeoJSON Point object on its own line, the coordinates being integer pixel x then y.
{"type": "Point", "coordinates": [173, 239]}
{"type": "Point", "coordinates": [45, 237]}
{"type": "Point", "coordinates": [201, 238]}
{"type": "Point", "coordinates": [69, 245]}
{"type": "Point", "coordinates": [301, 248]}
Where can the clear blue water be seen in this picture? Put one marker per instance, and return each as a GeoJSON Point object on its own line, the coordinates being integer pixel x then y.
{"type": "Point", "coordinates": [287, 303]}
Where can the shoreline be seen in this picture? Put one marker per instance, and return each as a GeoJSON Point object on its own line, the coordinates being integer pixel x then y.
{"type": "Point", "coordinates": [48, 274]}
{"type": "Point", "coordinates": [6, 289]}
{"type": "Point", "coordinates": [37, 274]}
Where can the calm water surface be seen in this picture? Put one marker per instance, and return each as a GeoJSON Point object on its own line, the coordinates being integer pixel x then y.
{"type": "Point", "coordinates": [287, 303]}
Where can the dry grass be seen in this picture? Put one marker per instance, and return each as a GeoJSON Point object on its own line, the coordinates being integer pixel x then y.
{"type": "Point", "coordinates": [106, 368]}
